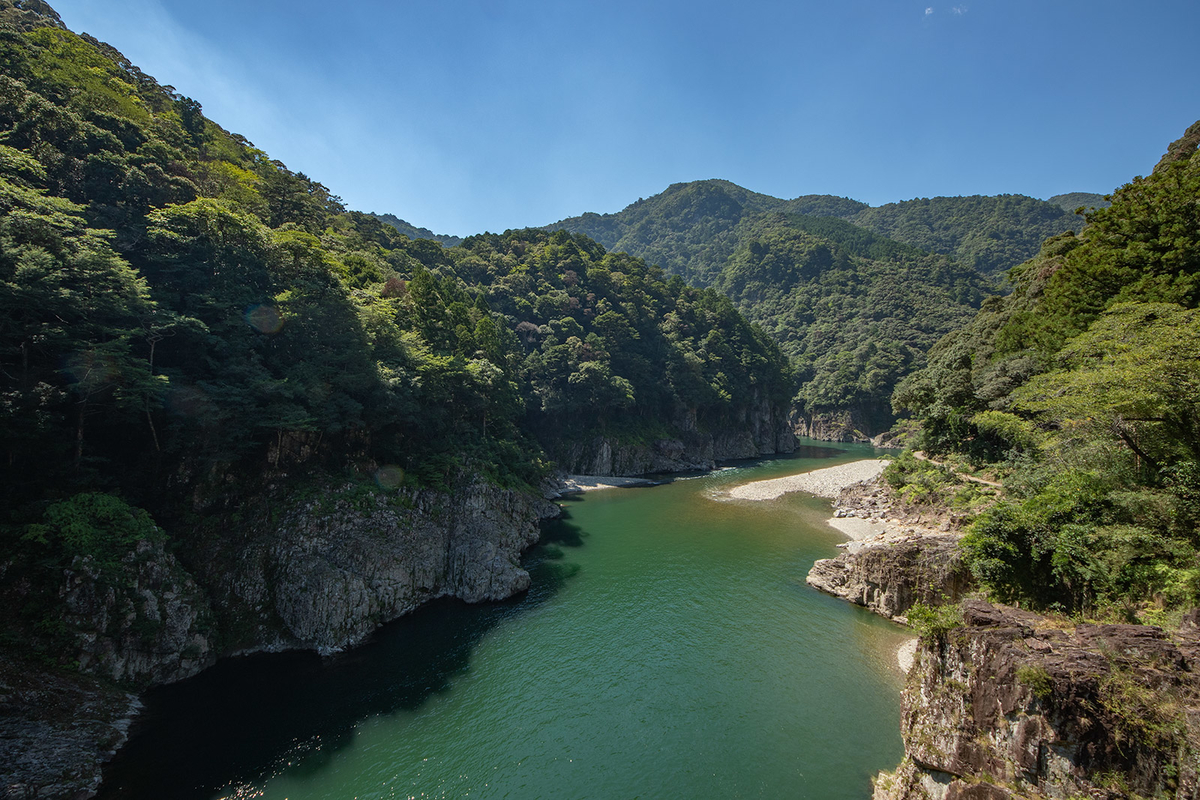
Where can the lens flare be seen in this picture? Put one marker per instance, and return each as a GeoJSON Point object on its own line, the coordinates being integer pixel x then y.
{"type": "Point", "coordinates": [264, 319]}
{"type": "Point", "coordinates": [389, 476]}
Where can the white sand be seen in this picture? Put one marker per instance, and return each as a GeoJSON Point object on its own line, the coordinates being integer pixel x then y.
{"type": "Point", "coordinates": [906, 655]}
{"type": "Point", "coordinates": [827, 482]}
{"type": "Point", "coordinates": [591, 483]}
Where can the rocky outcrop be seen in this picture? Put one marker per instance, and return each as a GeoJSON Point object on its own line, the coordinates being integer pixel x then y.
{"type": "Point", "coordinates": [322, 573]}
{"type": "Point", "coordinates": [57, 728]}
{"type": "Point", "coordinates": [891, 573]}
{"type": "Point", "coordinates": [1016, 705]}
{"type": "Point", "coordinates": [857, 424]}
{"type": "Point", "coordinates": [328, 571]}
{"type": "Point", "coordinates": [143, 621]}
{"type": "Point", "coordinates": [760, 429]}
{"type": "Point", "coordinates": [908, 562]}
{"type": "Point", "coordinates": [1182, 148]}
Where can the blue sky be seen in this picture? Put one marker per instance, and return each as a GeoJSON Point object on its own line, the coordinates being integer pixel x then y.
{"type": "Point", "coordinates": [472, 115]}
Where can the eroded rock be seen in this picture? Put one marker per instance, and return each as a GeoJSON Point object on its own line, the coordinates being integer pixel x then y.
{"type": "Point", "coordinates": [1016, 705]}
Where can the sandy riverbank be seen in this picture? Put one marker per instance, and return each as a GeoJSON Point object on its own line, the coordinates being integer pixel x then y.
{"type": "Point", "coordinates": [591, 483]}
{"type": "Point", "coordinates": [827, 482]}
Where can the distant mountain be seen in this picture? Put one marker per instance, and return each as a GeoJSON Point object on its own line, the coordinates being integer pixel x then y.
{"type": "Point", "coordinates": [686, 228]}
{"type": "Point", "coordinates": [991, 234]}
{"type": "Point", "coordinates": [853, 309]}
{"type": "Point", "coordinates": [689, 229]}
{"type": "Point", "coordinates": [1070, 202]}
{"type": "Point", "coordinates": [413, 232]}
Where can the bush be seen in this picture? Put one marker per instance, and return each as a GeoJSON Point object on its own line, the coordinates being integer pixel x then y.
{"type": "Point", "coordinates": [932, 621]}
{"type": "Point", "coordinates": [94, 524]}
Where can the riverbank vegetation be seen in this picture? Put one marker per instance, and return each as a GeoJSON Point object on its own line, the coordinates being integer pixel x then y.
{"type": "Point", "coordinates": [1081, 388]}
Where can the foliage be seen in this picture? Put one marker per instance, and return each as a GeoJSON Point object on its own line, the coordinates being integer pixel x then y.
{"type": "Point", "coordinates": [1142, 716]}
{"type": "Point", "coordinates": [1082, 385]}
{"type": "Point", "coordinates": [93, 524]}
{"type": "Point", "coordinates": [989, 234]}
{"type": "Point", "coordinates": [413, 232]}
{"type": "Point", "coordinates": [178, 304]}
{"type": "Point", "coordinates": [854, 311]}
{"type": "Point", "coordinates": [923, 486]}
{"type": "Point", "coordinates": [1037, 679]}
{"type": "Point", "coordinates": [932, 622]}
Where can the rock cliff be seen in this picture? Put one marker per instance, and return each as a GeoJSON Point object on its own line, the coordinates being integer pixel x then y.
{"type": "Point", "coordinates": [856, 424]}
{"type": "Point", "coordinates": [761, 429]}
{"type": "Point", "coordinates": [1016, 705]}
{"type": "Point", "coordinates": [325, 572]}
{"type": "Point", "coordinates": [57, 728]}
{"type": "Point", "coordinates": [146, 624]}
{"type": "Point", "coordinates": [893, 572]}
{"type": "Point", "coordinates": [320, 572]}
{"type": "Point", "coordinates": [908, 562]}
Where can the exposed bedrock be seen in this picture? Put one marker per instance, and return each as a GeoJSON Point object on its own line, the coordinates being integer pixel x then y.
{"type": "Point", "coordinates": [1016, 705]}
{"type": "Point", "coordinates": [891, 574]}
{"type": "Point", "coordinates": [332, 569]}
{"type": "Point", "coordinates": [762, 429]}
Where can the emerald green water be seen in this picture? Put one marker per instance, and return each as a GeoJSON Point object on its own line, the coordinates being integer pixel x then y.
{"type": "Point", "coordinates": [669, 648]}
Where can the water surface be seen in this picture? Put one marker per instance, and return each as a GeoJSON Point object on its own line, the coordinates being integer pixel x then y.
{"type": "Point", "coordinates": [668, 648]}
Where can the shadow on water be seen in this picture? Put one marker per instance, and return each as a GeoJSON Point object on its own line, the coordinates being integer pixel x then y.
{"type": "Point", "coordinates": [246, 718]}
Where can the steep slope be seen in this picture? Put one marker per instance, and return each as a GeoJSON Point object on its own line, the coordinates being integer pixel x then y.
{"type": "Point", "coordinates": [1082, 383]}
{"type": "Point", "coordinates": [855, 311]}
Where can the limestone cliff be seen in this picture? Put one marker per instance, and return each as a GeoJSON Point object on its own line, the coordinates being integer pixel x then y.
{"type": "Point", "coordinates": [761, 429]}
{"type": "Point", "coordinates": [325, 572]}
{"type": "Point", "coordinates": [146, 624]}
{"type": "Point", "coordinates": [1016, 705]}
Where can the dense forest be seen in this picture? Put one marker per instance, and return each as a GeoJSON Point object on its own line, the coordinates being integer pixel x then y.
{"type": "Point", "coordinates": [1080, 389]}
{"type": "Point", "coordinates": [181, 311]}
{"type": "Point", "coordinates": [854, 309]}
{"type": "Point", "coordinates": [690, 229]}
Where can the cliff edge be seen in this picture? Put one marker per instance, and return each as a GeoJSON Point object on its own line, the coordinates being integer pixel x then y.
{"type": "Point", "coordinates": [1017, 705]}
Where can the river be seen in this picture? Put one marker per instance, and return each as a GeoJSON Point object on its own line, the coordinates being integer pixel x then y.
{"type": "Point", "coordinates": [668, 648]}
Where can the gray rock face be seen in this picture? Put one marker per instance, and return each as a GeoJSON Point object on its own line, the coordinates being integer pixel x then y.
{"type": "Point", "coordinates": [57, 728]}
{"type": "Point", "coordinates": [330, 571]}
{"type": "Point", "coordinates": [858, 424]}
{"type": "Point", "coordinates": [1014, 705]}
{"type": "Point", "coordinates": [762, 430]}
{"type": "Point", "coordinates": [143, 625]}
{"type": "Point", "coordinates": [890, 576]}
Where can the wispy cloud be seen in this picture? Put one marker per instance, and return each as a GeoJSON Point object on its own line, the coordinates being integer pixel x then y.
{"type": "Point", "coordinates": [960, 10]}
{"type": "Point", "coordinates": [929, 11]}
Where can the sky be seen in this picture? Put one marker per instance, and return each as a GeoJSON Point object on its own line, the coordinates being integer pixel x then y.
{"type": "Point", "coordinates": [466, 116]}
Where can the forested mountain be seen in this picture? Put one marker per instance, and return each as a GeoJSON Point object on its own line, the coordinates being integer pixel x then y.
{"type": "Point", "coordinates": [854, 310]}
{"type": "Point", "coordinates": [1081, 386]}
{"type": "Point", "coordinates": [180, 315]}
{"type": "Point", "coordinates": [413, 232]}
{"type": "Point", "coordinates": [689, 228]}
{"type": "Point", "coordinates": [989, 234]}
